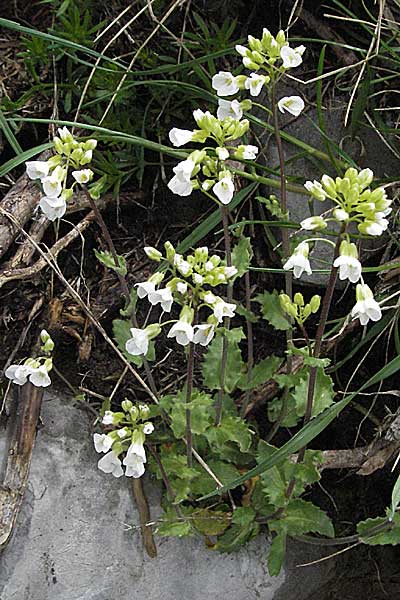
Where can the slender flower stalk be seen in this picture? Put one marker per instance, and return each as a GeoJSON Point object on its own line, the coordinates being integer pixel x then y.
{"type": "Point", "coordinates": [189, 389]}
{"type": "Point", "coordinates": [227, 321]}
{"type": "Point", "coordinates": [122, 280]}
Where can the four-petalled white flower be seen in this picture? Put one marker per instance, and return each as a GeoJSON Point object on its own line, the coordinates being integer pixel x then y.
{"type": "Point", "coordinates": [299, 261]}
{"type": "Point", "coordinates": [254, 84]}
{"type": "Point", "coordinates": [102, 442]}
{"type": "Point", "coordinates": [291, 57]}
{"type": "Point", "coordinates": [182, 331]}
{"type": "Point", "coordinates": [366, 307]}
{"type": "Point", "coordinates": [225, 83]}
{"type": "Point", "coordinates": [291, 104]}
{"type": "Point", "coordinates": [229, 108]}
{"type": "Point", "coordinates": [224, 190]}
{"type": "Point", "coordinates": [110, 463]}
{"type": "Point", "coordinates": [138, 344]}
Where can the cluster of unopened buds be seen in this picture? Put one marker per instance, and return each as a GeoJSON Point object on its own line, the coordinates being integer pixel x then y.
{"type": "Point", "coordinates": [129, 428]}
{"type": "Point", "coordinates": [34, 370]}
{"type": "Point", "coordinates": [53, 173]}
{"type": "Point", "coordinates": [275, 57]}
{"type": "Point", "coordinates": [355, 203]}
{"type": "Point", "coordinates": [298, 309]}
{"type": "Point", "coordinates": [189, 285]}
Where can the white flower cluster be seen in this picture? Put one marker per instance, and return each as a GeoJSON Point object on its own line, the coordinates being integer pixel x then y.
{"type": "Point", "coordinates": [53, 173]}
{"type": "Point", "coordinates": [210, 164]}
{"type": "Point", "coordinates": [127, 438]}
{"type": "Point", "coordinates": [192, 276]}
{"type": "Point", "coordinates": [355, 202]}
{"type": "Point", "coordinates": [36, 370]}
{"type": "Point", "coordinates": [271, 54]}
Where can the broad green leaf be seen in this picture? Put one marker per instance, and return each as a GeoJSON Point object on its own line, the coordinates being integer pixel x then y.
{"type": "Point", "coordinates": [241, 256]}
{"type": "Point", "coordinates": [274, 411]}
{"type": "Point", "coordinates": [236, 536]}
{"type": "Point", "coordinates": [261, 372]}
{"type": "Point", "coordinates": [172, 525]}
{"type": "Point", "coordinates": [243, 515]}
{"type": "Point", "coordinates": [390, 536]}
{"type": "Point", "coordinates": [323, 393]}
{"type": "Point", "coordinates": [303, 517]}
{"type": "Point", "coordinates": [210, 522]}
{"type": "Point", "coordinates": [276, 554]}
{"type": "Point", "coordinates": [231, 429]}
{"type": "Point", "coordinates": [201, 411]}
{"type": "Point", "coordinates": [211, 367]}
{"type": "Point", "coordinates": [272, 310]}
{"type": "Point", "coordinates": [247, 314]}
{"type": "Point", "coordinates": [204, 483]}
{"type": "Point", "coordinates": [107, 259]}
{"type": "Point", "coordinates": [308, 432]}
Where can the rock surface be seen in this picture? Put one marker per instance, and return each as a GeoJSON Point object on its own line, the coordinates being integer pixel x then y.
{"type": "Point", "coordinates": [77, 536]}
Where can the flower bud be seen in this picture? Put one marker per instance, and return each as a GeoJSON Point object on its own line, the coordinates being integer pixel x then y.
{"type": "Point", "coordinates": [153, 330]}
{"type": "Point", "coordinates": [306, 312]}
{"type": "Point", "coordinates": [170, 250]}
{"type": "Point", "coordinates": [126, 405]}
{"type": "Point", "coordinates": [90, 144]}
{"type": "Point", "coordinates": [153, 253]}
{"type": "Point", "coordinates": [340, 214]}
{"type": "Point", "coordinates": [315, 303]}
{"type": "Point", "coordinates": [280, 37]}
{"type": "Point", "coordinates": [329, 185]}
{"type": "Point", "coordinates": [201, 254]}
{"type": "Point", "coordinates": [254, 43]}
{"type": "Point", "coordinates": [298, 299]}
{"type": "Point", "coordinates": [365, 177]}
{"type": "Point", "coordinates": [156, 278]}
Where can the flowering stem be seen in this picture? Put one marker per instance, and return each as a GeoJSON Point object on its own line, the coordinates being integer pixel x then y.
{"type": "Point", "coordinates": [286, 251]}
{"type": "Point", "coordinates": [144, 517]}
{"type": "Point", "coordinates": [326, 304]}
{"type": "Point", "coordinates": [227, 321]}
{"type": "Point", "coordinates": [250, 348]}
{"type": "Point", "coordinates": [122, 280]}
{"type": "Point", "coordinates": [189, 389]}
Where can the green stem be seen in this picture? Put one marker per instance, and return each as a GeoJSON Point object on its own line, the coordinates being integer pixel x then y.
{"type": "Point", "coordinates": [227, 321]}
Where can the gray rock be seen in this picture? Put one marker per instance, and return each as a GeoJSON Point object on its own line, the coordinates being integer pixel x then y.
{"type": "Point", "coordinates": [77, 536]}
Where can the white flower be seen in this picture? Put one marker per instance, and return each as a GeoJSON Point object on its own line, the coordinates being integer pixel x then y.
{"type": "Point", "coordinates": [162, 296]}
{"type": "Point", "coordinates": [180, 137]}
{"type": "Point", "coordinates": [182, 332]}
{"type": "Point", "coordinates": [228, 108]}
{"type": "Point", "coordinates": [181, 184]}
{"type": "Point", "coordinates": [134, 465]}
{"type": "Point", "coordinates": [180, 187]}
{"type": "Point", "coordinates": [138, 344]}
{"type": "Point", "coordinates": [291, 57]}
{"type": "Point", "coordinates": [223, 309]}
{"type": "Point", "coordinates": [209, 298]}
{"type": "Point", "coordinates": [254, 84]}
{"type": "Point", "coordinates": [39, 376]}
{"type": "Point", "coordinates": [102, 442]}
{"type": "Point", "coordinates": [111, 464]}
{"type": "Point", "coordinates": [145, 288]}
{"type": "Point", "coordinates": [204, 333]}
{"type": "Point", "coordinates": [64, 134]}
{"type": "Point", "coordinates": [224, 190]}
{"type": "Point", "coordinates": [51, 186]}
{"type": "Point", "coordinates": [121, 433]}
{"type": "Point", "coordinates": [181, 287]}
{"type": "Point", "coordinates": [138, 449]}
{"type": "Point", "coordinates": [313, 223]}
{"type": "Point", "coordinates": [225, 84]}
{"type": "Point", "coordinates": [299, 261]}
{"type": "Point", "coordinates": [18, 373]}
{"type": "Point", "coordinates": [37, 169]}
{"type": "Point", "coordinates": [376, 225]}
{"type": "Point", "coordinates": [53, 208]}
{"type": "Point", "coordinates": [347, 262]}
{"type": "Point", "coordinates": [250, 152]}
{"type": "Point", "coordinates": [108, 418]}
{"type": "Point", "coordinates": [291, 104]}
{"type": "Point", "coordinates": [242, 50]}
{"type": "Point", "coordinates": [82, 176]}
{"type": "Point", "coordinates": [182, 265]}
{"type": "Point", "coordinates": [209, 266]}
{"type": "Point", "coordinates": [366, 307]}
{"type": "Point", "coordinates": [222, 153]}
{"type": "Point", "coordinates": [316, 189]}
{"type": "Point", "coordinates": [340, 214]}
{"type": "Point", "coordinates": [148, 428]}
{"type": "Point", "coordinates": [230, 271]}
{"type": "Point", "coordinates": [197, 278]}
{"type": "Point", "coordinates": [349, 268]}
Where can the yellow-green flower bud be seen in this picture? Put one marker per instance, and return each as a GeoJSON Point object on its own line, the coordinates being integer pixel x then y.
{"type": "Point", "coordinates": [126, 405]}
{"type": "Point", "coordinates": [315, 303]}
{"type": "Point", "coordinates": [153, 253]}
{"type": "Point", "coordinates": [298, 299]}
